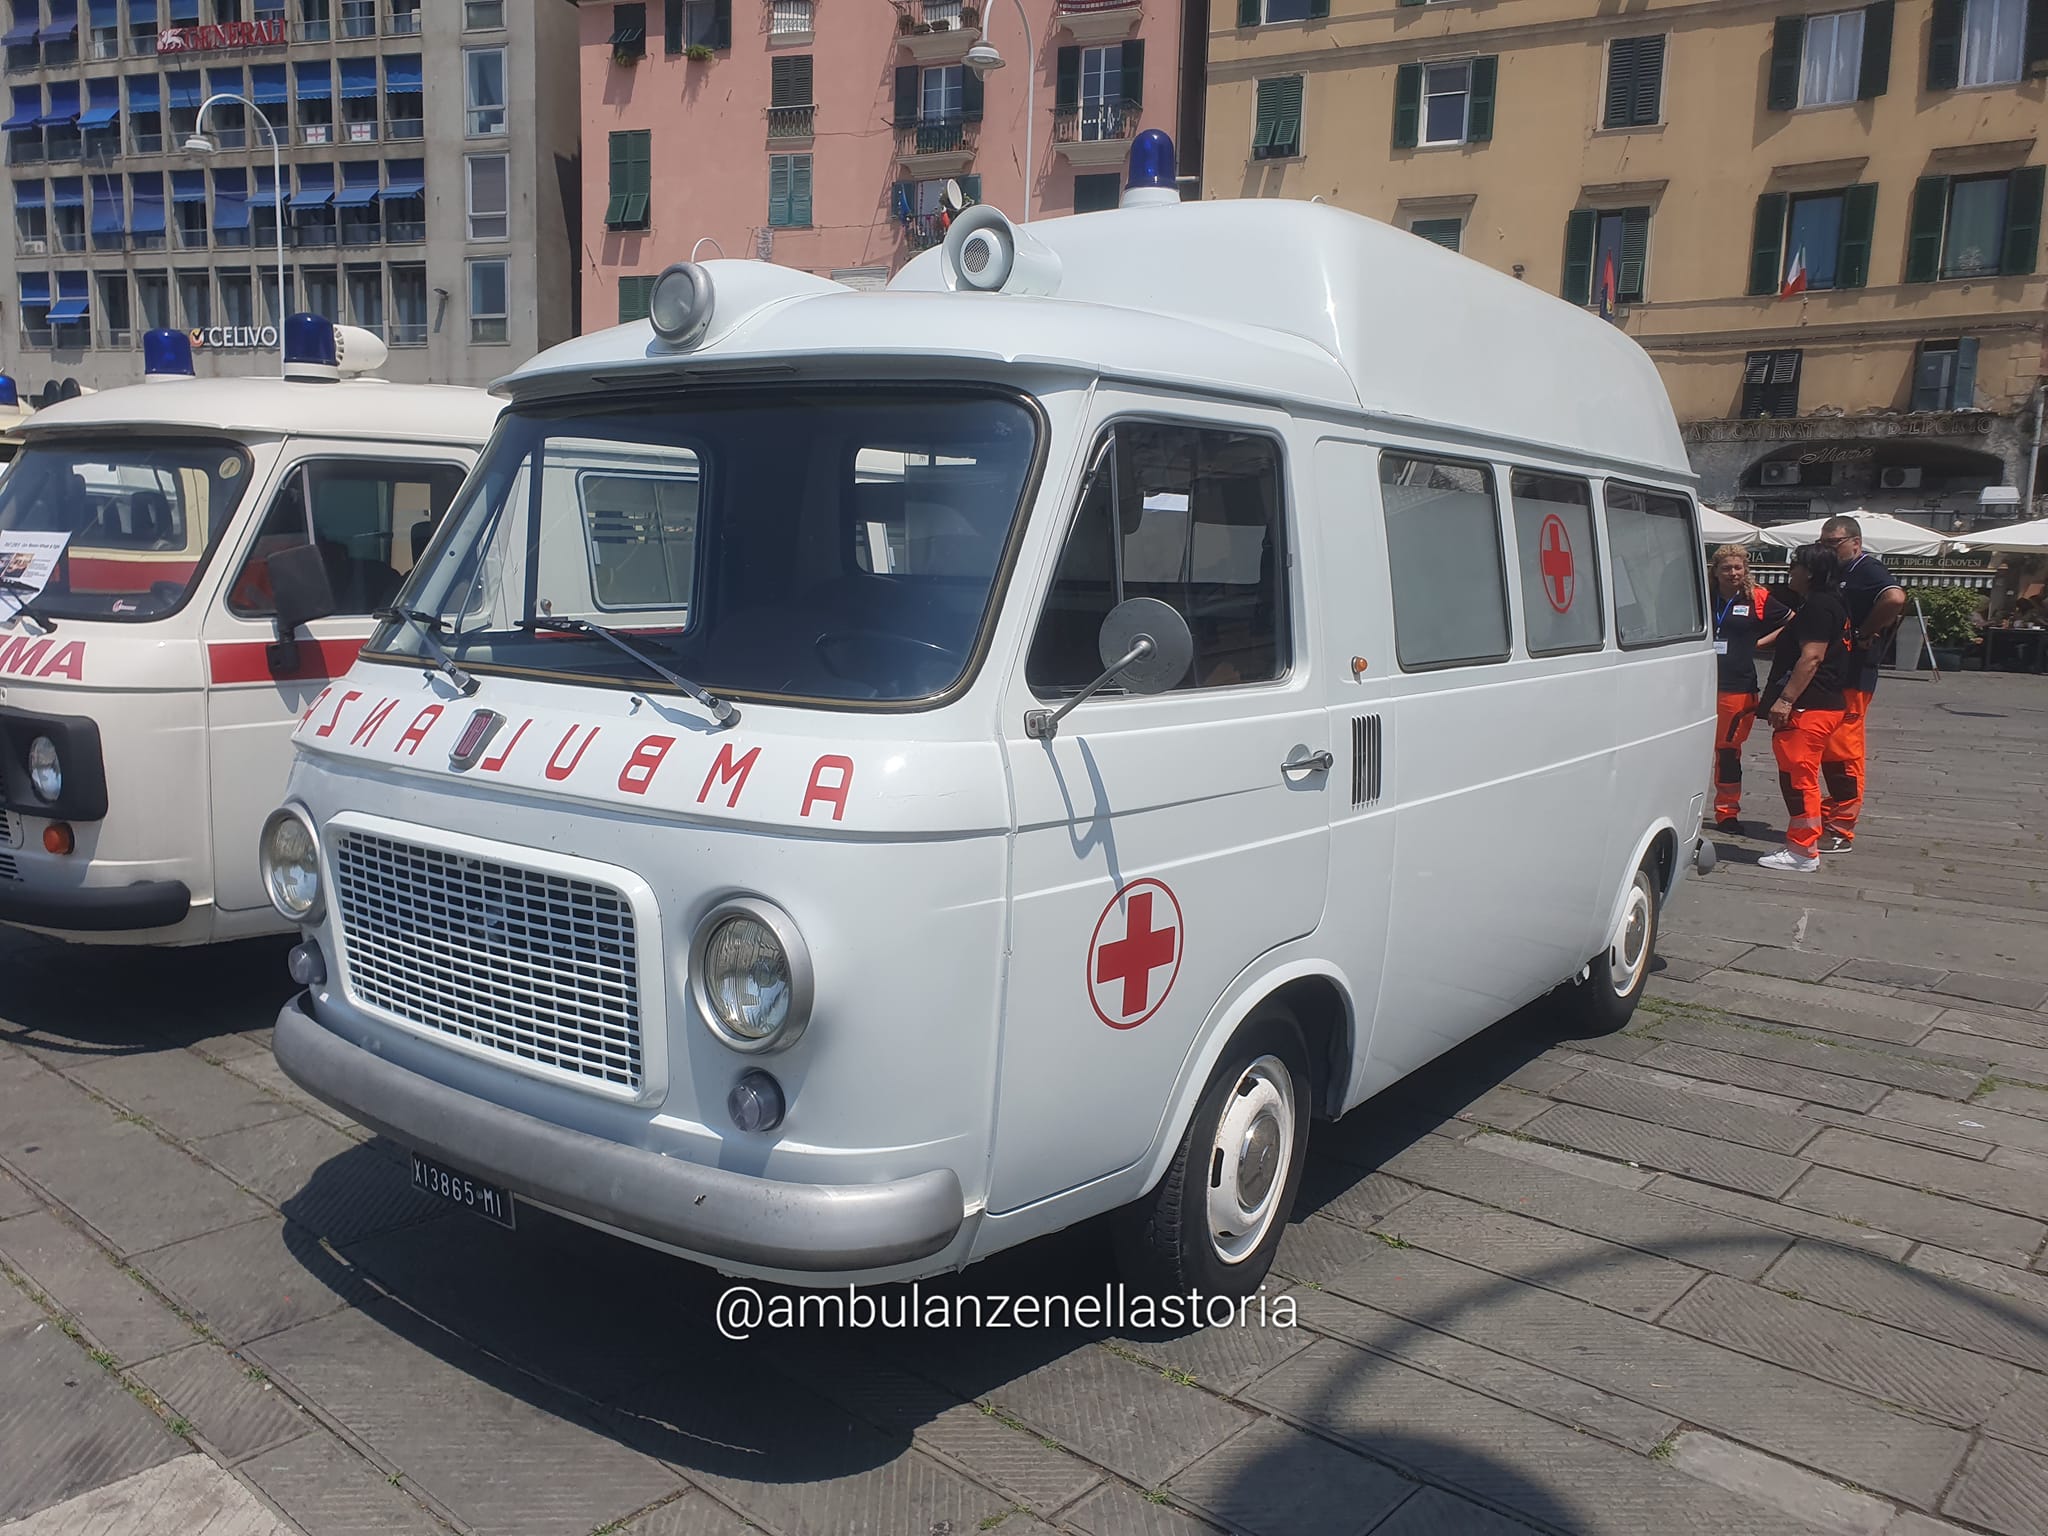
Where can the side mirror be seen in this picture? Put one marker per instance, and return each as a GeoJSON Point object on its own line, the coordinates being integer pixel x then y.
{"type": "Point", "coordinates": [1145, 645]}
{"type": "Point", "coordinates": [300, 593]}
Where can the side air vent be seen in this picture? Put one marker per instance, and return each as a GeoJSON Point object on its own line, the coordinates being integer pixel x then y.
{"type": "Point", "coordinates": [1365, 760]}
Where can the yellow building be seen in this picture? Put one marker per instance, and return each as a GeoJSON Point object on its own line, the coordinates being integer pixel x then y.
{"type": "Point", "coordinates": [1825, 224]}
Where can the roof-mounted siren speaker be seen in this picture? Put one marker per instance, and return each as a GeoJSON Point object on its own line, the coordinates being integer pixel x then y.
{"type": "Point", "coordinates": [986, 253]}
{"type": "Point", "coordinates": [358, 350]}
{"type": "Point", "coordinates": [1150, 181]}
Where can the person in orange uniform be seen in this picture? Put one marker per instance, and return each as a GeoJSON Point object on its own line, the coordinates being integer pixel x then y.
{"type": "Point", "coordinates": [1875, 602]}
{"type": "Point", "coordinates": [1745, 617]}
{"type": "Point", "coordinates": [1804, 700]}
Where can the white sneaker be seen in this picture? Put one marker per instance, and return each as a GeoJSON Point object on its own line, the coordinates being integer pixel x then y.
{"type": "Point", "coordinates": [1790, 858]}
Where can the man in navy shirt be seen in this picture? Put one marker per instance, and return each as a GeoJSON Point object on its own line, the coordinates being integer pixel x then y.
{"type": "Point", "coordinates": [1875, 601]}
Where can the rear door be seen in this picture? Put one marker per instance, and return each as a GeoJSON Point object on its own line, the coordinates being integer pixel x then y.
{"type": "Point", "coordinates": [1164, 842]}
{"type": "Point", "coordinates": [371, 518]}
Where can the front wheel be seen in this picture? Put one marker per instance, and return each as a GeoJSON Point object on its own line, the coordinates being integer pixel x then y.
{"type": "Point", "coordinates": [1214, 1221]}
{"type": "Point", "coordinates": [1607, 996]}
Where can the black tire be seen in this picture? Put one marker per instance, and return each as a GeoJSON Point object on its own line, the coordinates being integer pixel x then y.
{"type": "Point", "coordinates": [1164, 1241]}
{"type": "Point", "coordinates": [1606, 999]}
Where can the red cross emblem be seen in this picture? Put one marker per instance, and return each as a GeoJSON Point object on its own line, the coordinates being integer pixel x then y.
{"type": "Point", "coordinates": [1556, 563]}
{"type": "Point", "coordinates": [1137, 937]}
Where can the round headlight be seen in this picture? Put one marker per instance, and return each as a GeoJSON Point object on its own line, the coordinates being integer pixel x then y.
{"type": "Point", "coordinates": [752, 976]}
{"type": "Point", "coordinates": [45, 771]}
{"type": "Point", "coordinates": [290, 857]}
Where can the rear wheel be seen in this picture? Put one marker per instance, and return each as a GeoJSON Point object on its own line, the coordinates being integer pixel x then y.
{"type": "Point", "coordinates": [1214, 1221]}
{"type": "Point", "coordinates": [1606, 997]}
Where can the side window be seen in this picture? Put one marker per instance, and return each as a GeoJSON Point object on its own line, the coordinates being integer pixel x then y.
{"type": "Point", "coordinates": [643, 536]}
{"type": "Point", "coordinates": [1561, 609]}
{"type": "Point", "coordinates": [1193, 517]}
{"type": "Point", "coordinates": [371, 520]}
{"type": "Point", "coordinates": [1444, 556]}
{"type": "Point", "coordinates": [1657, 566]}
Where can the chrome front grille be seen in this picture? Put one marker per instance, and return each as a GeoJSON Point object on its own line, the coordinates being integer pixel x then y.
{"type": "Point", "coordinates": [540, 966]}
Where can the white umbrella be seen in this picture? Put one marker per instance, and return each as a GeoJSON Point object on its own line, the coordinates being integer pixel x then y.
{"type": "Point", "coordinates": [2019, 539]}
{"type": "Point", "coordinates": [1720, 528]}
{"type": "Point", "coordinates": [1882, 535]}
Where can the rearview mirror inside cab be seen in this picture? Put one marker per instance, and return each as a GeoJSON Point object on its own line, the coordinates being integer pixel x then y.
{"type": "Point", "coordinates": [1146, 646]}
{"type": "Point", "coordinates": [300, 593]}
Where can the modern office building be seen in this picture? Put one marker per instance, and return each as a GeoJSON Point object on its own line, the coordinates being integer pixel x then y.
{"type": "Point", "coordinates": [821, 134]}
{"type": "Point", "coordinates": [1823, 221]}
{"type": "Point", "coordinates": [428, 188]}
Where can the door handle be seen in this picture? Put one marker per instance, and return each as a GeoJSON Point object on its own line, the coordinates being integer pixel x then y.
{"type": "Point", "coordinates": [1315, 762]}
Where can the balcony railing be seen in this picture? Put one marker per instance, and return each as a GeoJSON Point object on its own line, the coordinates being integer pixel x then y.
{"type": "Point", "coordinates": [104, 45]}
{"type": "Point", "coordinates": [120, 336]}
{"type": "Point", "coordinates": [938, 136]}
{"type": "Point", "coordinates": [789, 17]}
{"type": "Point", "coordinates": [360, 131]}
{"type": "Point", "coordinates": [1094, 121]}
{"type": "Point", "coordinates": [791, 122]}
{"type": "Point", "coordinates": [370, 232]}
{"type": "Point", "coordinates": [1082, 7]}
{"type": "Point", "coordinates": [408, 333]}
{"type": "Point", "coordinates": [23, 57]}
{"type": "Point", "coordinates": [70, 241]}
{"type": "Point", "coordinates": [40, 337]}
{"type": "Point", "coordinates": [922, 231]}
{"type": "Point", "coordinates": [404, 231]}
{"type": "Point", "coordinates": [402, 24]}
{"type": "Point", "coordinates": [316, 133]}
{"type": "Point", "coordinates": [147, 143]}
{"type": "Point", "coordinates": [405, 128]}
{"type": "Point", "coordinates": [141, 44]}
{"type": "Point", "coordinates": [232, 138]}
{"type": "Point", "coordinates": [312, 31]}
{"type": "Point", "coordinates": [25, 147]}
{"type": "Point", "coordinates": [358, 18]}
{"type": "Point", "coordinates": [314, 234]}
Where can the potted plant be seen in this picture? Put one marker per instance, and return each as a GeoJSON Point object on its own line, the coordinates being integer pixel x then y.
{"type": "Point", "coordinates": [698, 53]}
{"type": "Point", "coordinates": [905, 23]}
{"type": "Point", "coordinates": [1949, 633]}
{"type": "Point", "coordinates": [969, 16]}
{"type": "Point", "coordinates": [921, 28]}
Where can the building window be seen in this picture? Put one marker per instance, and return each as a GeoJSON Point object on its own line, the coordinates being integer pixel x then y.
{"type": "Point", "coordinates": [323, 292]}
{"type": "Point", "coordinates": [195, 299]}
{"type": "Point", "coordinates": [1252, 13]}
{"type": "Point", "coordinates": [487, 302]}
{"type": "Point", "coordinates": [405, 103]}
{"type": "Point", "coordinates": [1444, 232]}
{"type": "Point", "coordinates": [490, 188]}
{"type": "Point", "coordinates": [1276, 131]}
{"type": "Point", "coordinates": [405, 201]}
{"type": "Point", "coordinates": [403, 19]}
{"type": "Point", "coordinates": [707, 24]}
{"type": "Point", "coordinates": [631, 181]}
{"type": "Point", "coordinates": [145, 115]}
{"type": "Point", "coordinates": [1975, 226]}
{"type": "Point", "coordinates": [31, 219]}
{"type": "Point", "coordinates": [1607, 256]}
{"type": "Point", "coordinates": [789, 18]}
{"type": "Point", "coordinates": [634, 295]}
{"type": "Point", "coordinates": [366, 298]}
{"type": "Point", "coordinates": [1820, 61]}
{"type": "Point", "coordinates": [1561, 607]}
{"type": "Point", "coordinates": [316, 23]}
{"type": "Point", "coordinates": [1770, 384]}
{"type": "Point", "coordinates": [315, 107]}
{"type": "Point", "coordinates": [276, 305]}
{"type": "Point", "coordinates": [142, 28]}
{"type": "Point", "coordinates": [408, 307]}
{"type": "Point", "coordinates": [1102, 92]}
{"type": "Point", "coordinates": [1945, 377]}
{"type": "Point", "coordinates": [1095, 193]}
{"type": "Point", "coordinates": [789, 191]}
{"type": "Point", "coordinates": [1994, 41]}
{"type": "Point", "coordinates": [629, 33]}
{"type": "Point", "coordinates": [1635, 82]}
{"type": "Point", "coordinates": [483, 72]}
{"type": "Point", "coordinates": [1447, 103]}
{"type": "Point", "coordinates": [483, 15]}
{"type": "Point", "coordinates": [921, 205]}
{"type": "Point", "coordinates": [105, 42]}
{"type": "Point", "coordinates": [67, 213]}
{"type": "Point", "coordinates": [153, 299]}
{"type": "Point", "coordinates": [237, 298]}
{"type": "Point", "coordinates": [358, 18]}
{"type": "Point", "coordinates": [1813, 240]}
{"type": "Point", "coordinates": [117, 321]}
{"type": "Point", "coordinates": [1834, 59]}
{"type": "Point", "coordinates": [791, 114]}
{"type": "Point", "coordinates": [942, 94]}
{"type": "Point", "coordinates": [188, 198]}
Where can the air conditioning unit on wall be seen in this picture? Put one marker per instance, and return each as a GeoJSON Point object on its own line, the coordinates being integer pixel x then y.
{"type": "Point", "coordinates": [1899, 479]}
{"type": "Point", "coordinates": [1786, 473]}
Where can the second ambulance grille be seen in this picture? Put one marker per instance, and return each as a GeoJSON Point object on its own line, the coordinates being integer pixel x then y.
{"type": "Point", "coordinates": [537, 965]}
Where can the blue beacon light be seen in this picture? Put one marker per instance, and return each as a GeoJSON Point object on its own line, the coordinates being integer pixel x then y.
{"type": "Point", "coordinates": [310, 339]}
{"type": "Point", "coordinates": [166, 354]}
{"type": "Point", "coordinates": [9, 394]}
{"type": "Point", "coordinates": [1151, 181]}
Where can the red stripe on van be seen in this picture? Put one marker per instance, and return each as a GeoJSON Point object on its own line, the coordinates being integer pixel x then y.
{"type": "Point", "coordinates": [102, 574]}
{"type": "Point", "coordinates": [248, 661]}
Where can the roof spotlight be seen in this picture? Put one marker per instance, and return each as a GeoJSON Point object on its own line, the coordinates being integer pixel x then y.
{"type": "Point", "coordinates": [680, 305]}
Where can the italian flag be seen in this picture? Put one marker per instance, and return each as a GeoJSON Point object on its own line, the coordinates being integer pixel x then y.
{"type": "Point", "coordinates": [1795, 275]}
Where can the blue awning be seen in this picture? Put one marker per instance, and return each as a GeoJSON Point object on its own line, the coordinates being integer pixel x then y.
{"type": "Point", "coordinates": [143, 95]}
{"type": "Point", "coordinates": [316, 187]}
{"type": "Point", "coordinates": [265, 195]}
{"type": "Point", "coordinates": [105, 13]}
{"type": "Point", "coordinates": [184, 89]}
{"type": "Point", "coordinates": [405, 178]}
{"type": "Point", "coordinates": [358, 77]}
{"type": "Point", "coordinates": [403, 74]}
{"type": "Point", "coordinates": [148, 190]}
{"type": "Point", "coordinates": [224, 82]}
{"type": "Point", "coordinates": [62, 25]}
{"type": "Point", "coordinates": [28, 194]}
{"type": "Point", "coordinates": [355, 197]}
{"type": "Point", "coordinates": [185, 10]}
{"type": "Point", "coordinates": [63, 109]}
{"type": "Point", "coordinates": [28, 108]}
{"type": "Point", "coordinates": [104, 103]}
{"type": "Point", "coordinates": [67, 192]}
{"type": "Point", "coordinates": [35, 287]}
{"type": "Point", "coordinates": [359, 184]}
{"type": "Point", "coordinates": [267, 85]}
{"type": "Point", "coordinates": [188, 186]}
{"type": "Point", "coordinates": [316, 80]}
{"type": "Point", "coordinates": [109, 212]}
{"type": "Point", "coordinates": [142, 15]}
{"type": "Point", "coordinates": [70, 311]}
{"type": "Point", "coordinates": [230, 200]}
{"type": "Point", "coordinates": [20, 35]}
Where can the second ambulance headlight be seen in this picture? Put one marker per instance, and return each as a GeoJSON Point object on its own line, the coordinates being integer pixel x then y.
{"type": "Point", "coordinates": [290, 857]}
{"type": "Point", "coordinates": [751, 974]}
{"type": "Point", "coordinates": [45, 769]}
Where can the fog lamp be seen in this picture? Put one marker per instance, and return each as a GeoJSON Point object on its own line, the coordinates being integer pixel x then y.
{"type": "Point", "coordinates": [756, 1102]}
{"type": "Point", "coordinates": [308, 967]}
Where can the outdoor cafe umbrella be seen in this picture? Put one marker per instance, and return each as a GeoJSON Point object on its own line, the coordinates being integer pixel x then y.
{"type": "Point", "coordinates": [2019, 539]}
{"type": "Point", "coordinates": [1882, 535]}
{"type": "Point", "coordinates": [1720, 528]}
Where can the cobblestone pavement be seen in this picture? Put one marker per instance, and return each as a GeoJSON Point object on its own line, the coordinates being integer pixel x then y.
{"type": "Point", "coordinates": [1771, 1260]}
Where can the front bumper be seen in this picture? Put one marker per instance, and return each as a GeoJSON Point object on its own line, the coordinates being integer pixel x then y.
{"type": "Point", "coordinates": [804, 1228]}
{"type": "Point", "coordinates": [96, 909]}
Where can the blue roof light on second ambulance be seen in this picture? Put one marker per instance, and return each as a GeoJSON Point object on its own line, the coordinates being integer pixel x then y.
{"type": "Point", "coordinates": [166, 354]}
{"type": "Point", "coordinates": [1151, 181]}
{"type": "Point", "coordinates": [9, 394]}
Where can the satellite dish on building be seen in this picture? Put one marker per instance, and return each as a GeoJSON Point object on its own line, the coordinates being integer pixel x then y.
{"type": "Point", "coordinates": [955, 198]}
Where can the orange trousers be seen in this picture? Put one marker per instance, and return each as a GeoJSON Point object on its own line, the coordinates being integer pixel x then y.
{"type": "Point", "coordinates": [1734, 714]}
{"type": "Point", "coordinates": [1841, 766]}
{"type": "Point", "coordinates": [1800, 750]}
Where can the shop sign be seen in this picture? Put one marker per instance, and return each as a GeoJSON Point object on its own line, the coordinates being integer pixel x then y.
{"type": "Point", "coordinates": [221, 35]}
{"type": "Point", "coordinates": [234, 338]}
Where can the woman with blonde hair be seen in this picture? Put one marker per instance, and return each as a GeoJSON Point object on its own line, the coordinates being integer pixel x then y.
{"type": "Point", "coordinates": [1745, 617]}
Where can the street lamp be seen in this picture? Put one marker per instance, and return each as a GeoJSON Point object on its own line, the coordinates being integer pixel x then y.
{"type": "Point", "coordinates": [983, 59]}
{"type": "Point", "coordinates": [199, 144]}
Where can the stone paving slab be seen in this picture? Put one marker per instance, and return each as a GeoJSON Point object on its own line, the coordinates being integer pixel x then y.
{"type": "Point", "coordinates": [186, 1497]}
{"type": "Point", "coordinates": [2003, 1487]}
{"type": "Point", "coordinates": [180, 1093]}
{"type": "Point", "coordinates": [1820, 1503]}
{"type": "Point", "coordinates": [1276, 1481]}
{"type": "Point", "coordinates": [235, 1410]}
{"type": "Point", "coordinates": [328, 1490]}
{"type": "Point", "coordinates": [1786, 1218]}
{"type": "Point", "coordinates": [1769, 1129]}
{"type": "Point", "coordinates": [1642, 1144]}
{"type": "Point", "coordinates": [1816, 1055]}
{"type": "Point", "coordinates": [253, 1279]}
{"type": "Point", "coordinates": [1996, 1189]}
{"type": "Point", "coordinates": [1915, 1214]}
{"type": "Point", "coordinates": [1956, 1144]}
{"type": "Point", "coordinates": [80, 1279]}
{"type": "Point", "coordinates": [2003, 1328]}
{"type": "Point", "coordinates": [66, 1425]}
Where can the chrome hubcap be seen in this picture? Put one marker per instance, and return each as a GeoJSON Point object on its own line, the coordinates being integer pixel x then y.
{"type": "Point", "coordinates": [1251, 1160]}
{"type": "Point", "coordinates": [1630, 950]}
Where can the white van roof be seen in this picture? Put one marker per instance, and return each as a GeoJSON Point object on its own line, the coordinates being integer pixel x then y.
{"type": "Point", "coordinates": [1293, 300]}
{"type": "Point", "coordinates": [369, 409]}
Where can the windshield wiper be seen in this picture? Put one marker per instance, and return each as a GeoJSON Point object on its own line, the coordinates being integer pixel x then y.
{"type": "Point", "coordinates": [428, 625]}
{"type": "Point", "coordinates": [721, 711]}
{"type": "Point", "coordinates": [26, 605]}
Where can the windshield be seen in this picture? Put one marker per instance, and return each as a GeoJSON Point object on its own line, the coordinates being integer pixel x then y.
{"type": "Point", "coordinates": [142, 516]}
{"type": "Point", "coordinates": [810, 547]}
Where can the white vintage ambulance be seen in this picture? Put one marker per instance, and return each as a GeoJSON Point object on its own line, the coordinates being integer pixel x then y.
{"type": "Point", "coordinates": [865, 779]}
{"type": "Point", "coordinates": [222, 545]}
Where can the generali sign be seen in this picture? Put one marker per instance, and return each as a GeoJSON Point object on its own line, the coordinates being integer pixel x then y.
{"type": "Point", "coordinates": [226, 34]}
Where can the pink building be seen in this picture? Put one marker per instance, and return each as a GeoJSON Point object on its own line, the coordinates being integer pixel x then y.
{"type": "Point", "coordinates": [821, 133]}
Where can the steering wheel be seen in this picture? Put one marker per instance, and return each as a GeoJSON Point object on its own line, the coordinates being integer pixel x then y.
{"type": "Point", "coordinates": [832, 639]}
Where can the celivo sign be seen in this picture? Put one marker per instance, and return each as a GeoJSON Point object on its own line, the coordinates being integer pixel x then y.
{"type": "Point", "coordinates": [232, 338]}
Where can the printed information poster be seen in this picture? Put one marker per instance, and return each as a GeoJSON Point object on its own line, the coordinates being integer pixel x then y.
{"type": "Point", "coordinates": [27, 561]}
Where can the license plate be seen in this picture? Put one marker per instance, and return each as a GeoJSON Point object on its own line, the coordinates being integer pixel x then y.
{"type": "Point", "coordinates": [487, 1200]}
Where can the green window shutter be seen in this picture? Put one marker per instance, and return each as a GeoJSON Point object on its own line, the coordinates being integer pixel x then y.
{"type": "Point", "coordinates": [1579, 232]}
{"type": "Point", "coordinates": [1247, 13]}
{"type": "Point", "coordinates": [906, 95]}
{"type": "Point", "coordinates": [1859, 219]}
{"type": "Point", "coordinates": [1929, 364]}
{"type": "Point", "coordinates": [1414, 2]}
{"type": "Point", "coordinates": [1945, 46]}
{"type": "Point", "coordinates": [1648, 105]}
{"type": "Point", "coordinates": [621, 185]}
{"type": "Point", "coordinates": [1788, 46]}
{"type": "Point", "coordinates": [634, 293]}
{"type": "Point", "coordinates": [1966, 374]}
{"type": "Point", "coordinates": [1635, 256]}
{"type": "Point", "coordinates": [2022, 220]}
{"type": "Point", "coordinates": [1318, 9]}
{"type": "Point", "coordinates": [1266, 120]}
{"type": "Point", "coordinates": [721, 23]}
{"type": "Point", "coordinates": [1923, 235]}
{"type": "Point", "coordinates": [639, 182]}
{"type": "Point", "coordinates": [672, 27]}
{"type": "Point", "coordinates": [970, 188]}
{"type": "Point", "coordinates": [800, 191]}
{"type": "Point", "coordinates": [1479, 116]}
{"type": "Point", "coordinates": [1287, 139]}
{"type": "Point", "coordinates": [1407, 106]}
{"type": "Point", "coordinates": [1874, 76]}
{"type": "Point", "coordinates": [2034, 56]}
{"type": "Point", "coordinates": [1066, 95]}
{"type": "Point", "coordinates": [1621, 75]}
{"type": "Point", "coordinates": [1134, 72]}
{"type": "Point", "coordinates": [1767, 244]}
{"type": "Point", "coordinates": [778, 190]}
